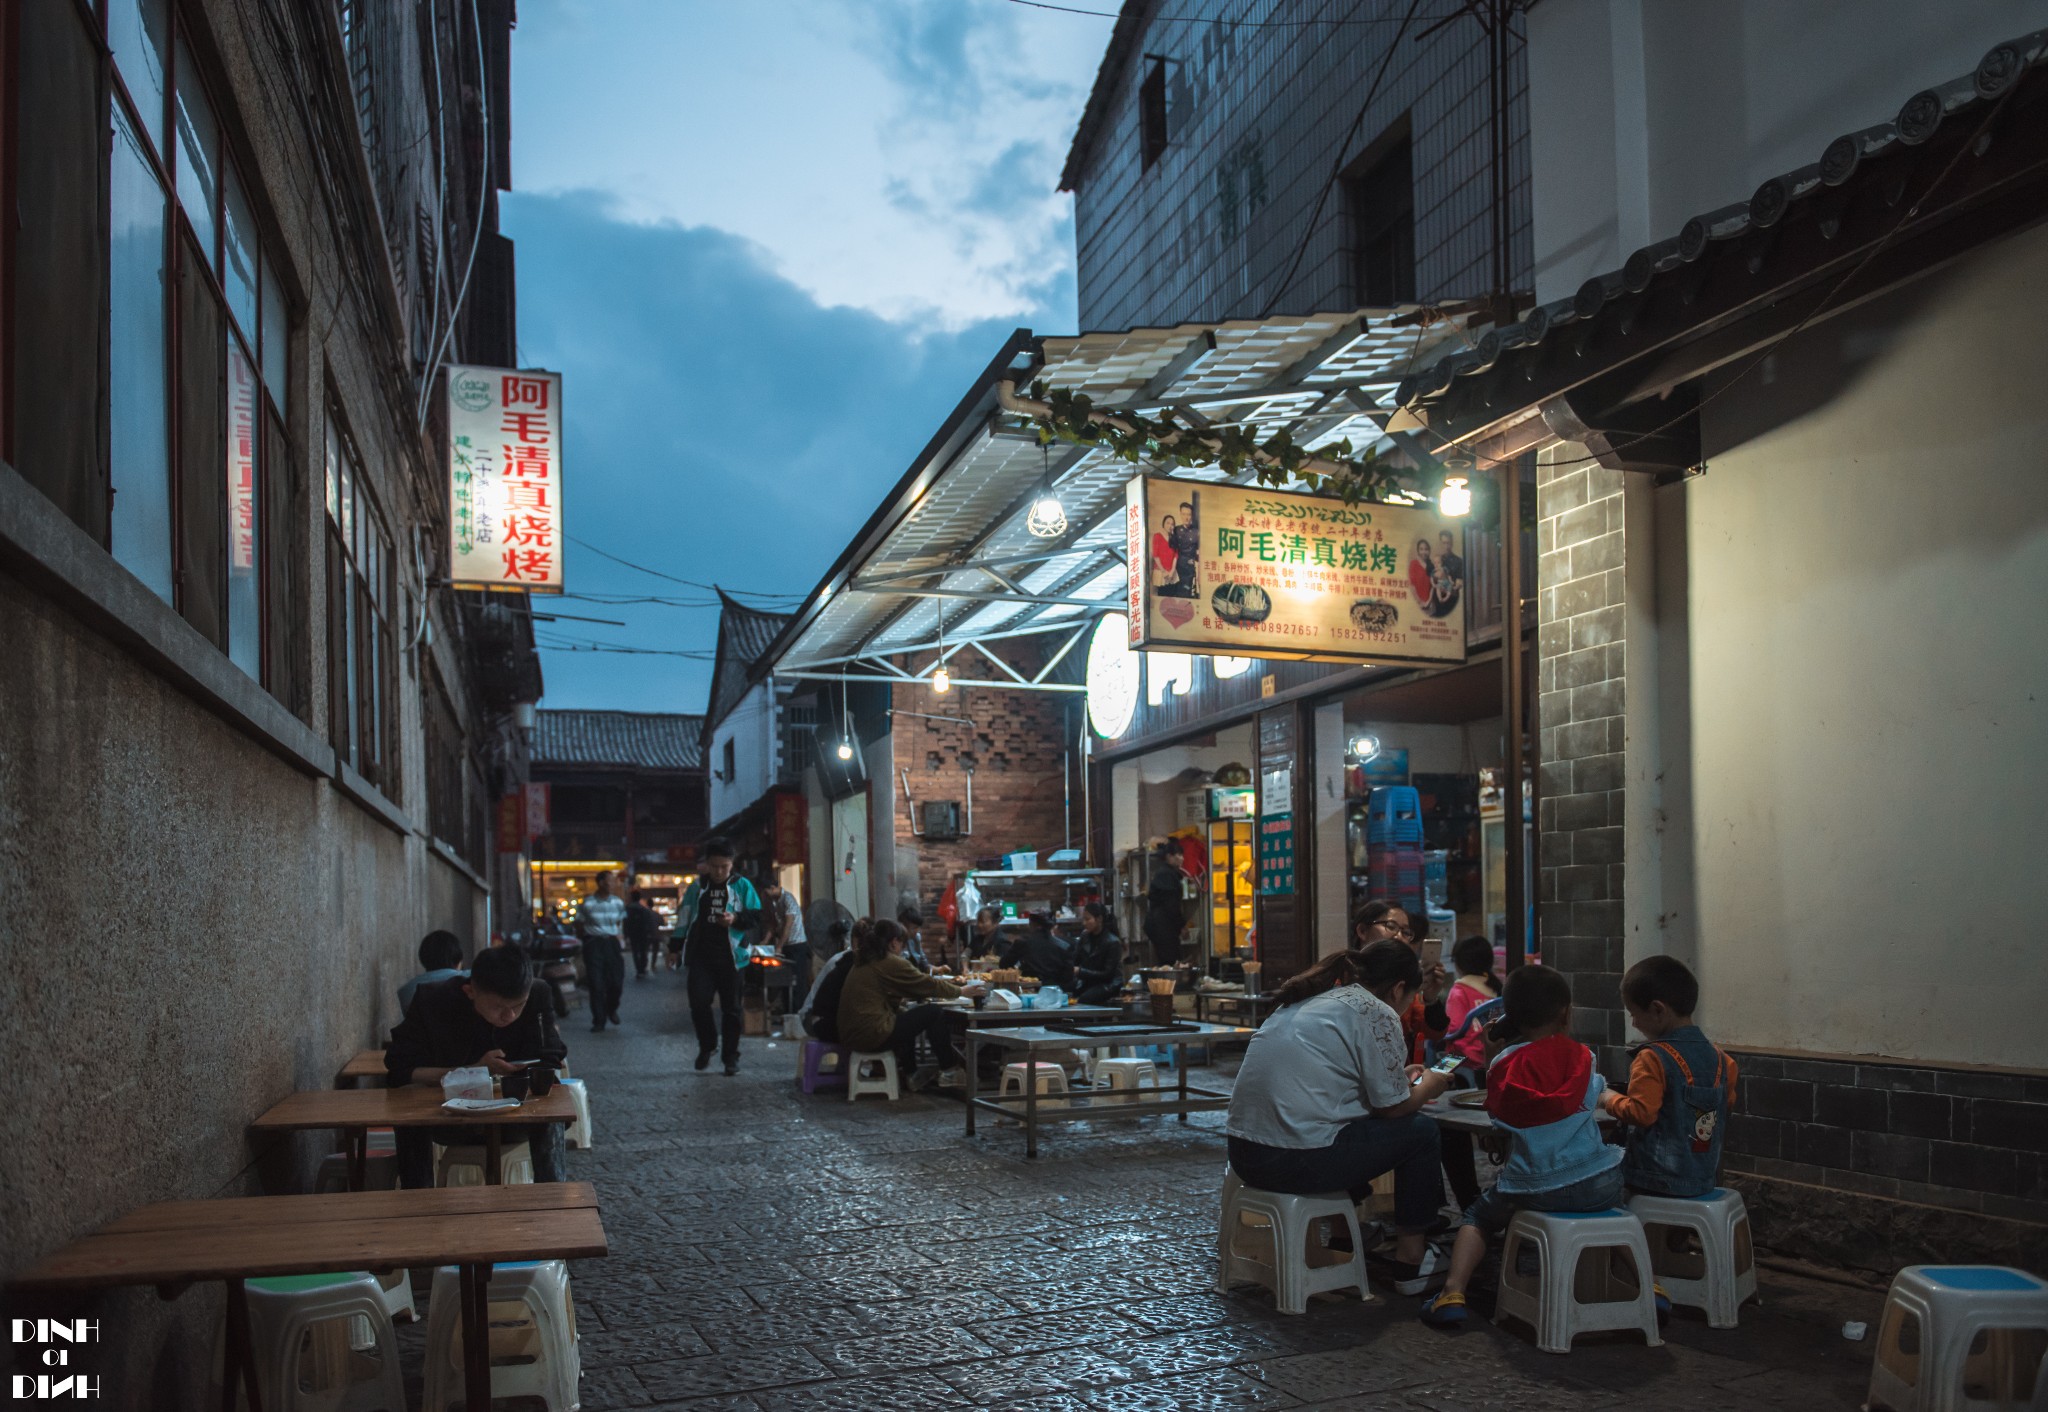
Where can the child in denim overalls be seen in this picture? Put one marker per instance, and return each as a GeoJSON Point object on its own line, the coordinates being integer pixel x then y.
{"type": "Point", "coordinates": [1679, 1086]}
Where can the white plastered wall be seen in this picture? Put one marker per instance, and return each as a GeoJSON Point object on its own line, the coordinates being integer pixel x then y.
{"type": "Point", "coordinates": [1854, 676]}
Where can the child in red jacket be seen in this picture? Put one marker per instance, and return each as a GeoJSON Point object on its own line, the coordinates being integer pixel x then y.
{"type": "Point", "coordinates": [1542, 1091]}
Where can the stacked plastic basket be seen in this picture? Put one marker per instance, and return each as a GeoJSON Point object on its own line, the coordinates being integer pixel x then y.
{"type": "Point", "coordinates": [1393, 840]}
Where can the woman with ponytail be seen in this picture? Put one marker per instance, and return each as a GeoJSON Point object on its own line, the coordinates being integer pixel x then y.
{"type": "Point", "coordinates": [872, 1013]}
{"type": "Point", "coordinates": [1326, 1099]}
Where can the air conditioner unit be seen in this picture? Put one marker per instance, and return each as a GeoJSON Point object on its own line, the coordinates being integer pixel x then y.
{"type": "Point", "coordinates": [941, 819]}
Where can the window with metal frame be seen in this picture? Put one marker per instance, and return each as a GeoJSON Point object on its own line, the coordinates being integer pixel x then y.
{"type": "Point", "coordinates": [362, 603]}
{"type": "Point", "coordinates": [148, 324]}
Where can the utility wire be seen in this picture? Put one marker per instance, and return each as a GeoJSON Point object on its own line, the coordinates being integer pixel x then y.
{"type": "Point", "coordinates": [1308, 235]}
{"type": "Point", "coordinates": [688, 583]}
{"type": "Point", "coordinates": [1227, 24]}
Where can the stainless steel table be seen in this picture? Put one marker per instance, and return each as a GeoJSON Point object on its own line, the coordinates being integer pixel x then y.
{"type": "Point", "coordinates": [1096, 1103]}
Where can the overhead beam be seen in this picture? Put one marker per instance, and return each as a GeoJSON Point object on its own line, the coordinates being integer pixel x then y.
{"type": "Point", "coordinates": [968, 595]}
{"type": "Point", "coordinates": [870, 678]}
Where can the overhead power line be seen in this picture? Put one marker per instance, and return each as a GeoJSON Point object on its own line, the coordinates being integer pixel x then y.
{"type": "Point", "coordinates": [1228, 24]}
{"type": "Point", "coordinates": [688, 583]}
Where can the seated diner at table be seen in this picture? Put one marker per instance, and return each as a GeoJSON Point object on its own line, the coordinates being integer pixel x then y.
{"type": "Point", "coordinates": [440, 956]}
{"type": "Point", "coordinates": [1039, 954]}
{"type": "Point", "coordinates": [495, 1018]}
{"type": "Point", "coordinates": [1326, 1099]}
{"type": "Point", "coordinates": [872, 1007]}
{"type": "Point", "coordinates": [1099, 960]}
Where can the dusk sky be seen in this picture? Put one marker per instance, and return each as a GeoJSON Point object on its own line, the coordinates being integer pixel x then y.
{"type": "Point", "coordinates": [767, 245]}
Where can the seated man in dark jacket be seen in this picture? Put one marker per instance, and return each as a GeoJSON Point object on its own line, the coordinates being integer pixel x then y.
{"type": "Point", "coordinates": [494, 1016]}
{"type": "Point", "coordinates": [1099, 961]}
{"type": "Point", "coordinates": [1041, 955]}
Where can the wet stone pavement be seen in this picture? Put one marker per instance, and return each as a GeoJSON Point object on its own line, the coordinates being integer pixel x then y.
{"type": "Point", "coordinates": [773, 1252]}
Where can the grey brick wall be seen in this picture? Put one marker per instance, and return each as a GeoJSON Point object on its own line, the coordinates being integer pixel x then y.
{"type": "Point", "coordinates": [1258, 118]}
{"type": "Point", "coordinates": [1581, 653]}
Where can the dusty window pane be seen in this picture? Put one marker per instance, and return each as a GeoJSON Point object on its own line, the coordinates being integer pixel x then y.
{"type": "Point", "coordinates": [137, 31]}
{"type": "Point", "coordinates": [276, 337]}
{"type": "Point", "coordinates": [138, 403]}
{"type": "Point", "coordinates": [238, 265]}
{"type": "Point", "coordinates": [198, 152]}
{"type": "Point", "coordinates": [245, 594]}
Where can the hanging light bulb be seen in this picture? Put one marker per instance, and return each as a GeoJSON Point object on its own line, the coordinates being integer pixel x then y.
{"type": "Point", "coordinates": [1456, 496]}
{"type": "Point", "coordinates": [1048, 518]}
{"type": "Point", "coordinates": [942, 680]}
{"type": "Point", "coordinates": [845, 750]}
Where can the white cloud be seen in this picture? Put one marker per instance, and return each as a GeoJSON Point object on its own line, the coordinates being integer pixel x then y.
{"type": "Point", "coordinates": [897, 156]}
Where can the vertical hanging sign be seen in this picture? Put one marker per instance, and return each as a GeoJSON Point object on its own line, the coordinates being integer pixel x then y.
{"type": "Point", "coordinates": [505, 479]}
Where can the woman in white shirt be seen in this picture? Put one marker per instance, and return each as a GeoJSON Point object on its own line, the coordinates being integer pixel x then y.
{"type": "Point", "coordinates": [1326, 1099]}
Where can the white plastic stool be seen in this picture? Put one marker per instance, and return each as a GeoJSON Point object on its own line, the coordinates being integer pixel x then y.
{"type": "Point", "coordinates": [463, 1165]}
{"type": "Point", "coordinates": [533, 1337]}
{"type": "Point", "coordinates": [1568, 1296]}
{"type": "Point", "coordinates": [329, 1332]}
{"type": "Point", "coordinates": [577, 1134]}
{"type": "Point", "coordinates": [1291, 1263]}
{"type": "Point", "coordinates": [396, 1288]}
{"type": "Point", "coordinates": [1049, 1078]}
{"type": "Point", "coordinates": [858, 1082]}
{"type": "Point", "coordinates": [380, 1172]}
{"type": "Point", "coordinates": [1132, 1074]}
{"type": "Point", "coordinates": [1720, 1276]}
{"type": "Point", "coordinates": [1958, 1337]}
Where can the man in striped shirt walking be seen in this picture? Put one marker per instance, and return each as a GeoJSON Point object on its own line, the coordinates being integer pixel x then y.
{"type": "Point", "coordinates": [599, 921]}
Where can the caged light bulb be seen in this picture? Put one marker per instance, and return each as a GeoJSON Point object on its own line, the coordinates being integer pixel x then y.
{"type": "Point", "coordinates": [942, 681]}
{"type": "Point", "coordinates": [1456, 498]}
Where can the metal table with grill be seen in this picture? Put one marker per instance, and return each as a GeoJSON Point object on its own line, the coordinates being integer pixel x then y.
{"type": "Point", "coordinates": [1032, 1108]}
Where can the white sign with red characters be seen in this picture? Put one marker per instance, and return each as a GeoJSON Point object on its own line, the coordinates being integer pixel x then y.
{"type": "Point", "coordinates": [505, 479]}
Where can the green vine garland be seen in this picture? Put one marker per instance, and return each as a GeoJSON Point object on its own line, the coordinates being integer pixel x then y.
{"type": "Point", "coordinates": [1276, 462]}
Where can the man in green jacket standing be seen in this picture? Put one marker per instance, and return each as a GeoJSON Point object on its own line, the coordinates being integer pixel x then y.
{"type": "Point", "coordinates": [708, 926]}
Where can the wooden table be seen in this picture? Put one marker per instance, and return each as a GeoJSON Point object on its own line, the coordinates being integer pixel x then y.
{"type": "Point", "coordinates": [354, 1111]}
{"type": "Point", "coordinates": [178, 1243]}
{"type": "Point", "coordinates": [367, 1064]}
{"type": "Point", "coordinates": [1097, 1103]}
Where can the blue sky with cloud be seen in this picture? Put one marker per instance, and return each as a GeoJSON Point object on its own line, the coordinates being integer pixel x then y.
{"type": "Point", "coordinates": [768, 244]}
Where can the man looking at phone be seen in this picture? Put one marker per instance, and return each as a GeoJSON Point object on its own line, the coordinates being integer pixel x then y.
{"type": "Point", "coordinates": [491, 1018]}
{"type": "Point", "coordinates": [708, 926]}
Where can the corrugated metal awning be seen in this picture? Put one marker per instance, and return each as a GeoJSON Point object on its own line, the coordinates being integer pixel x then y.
{"type": "Point", "coordinates": [953, 541]}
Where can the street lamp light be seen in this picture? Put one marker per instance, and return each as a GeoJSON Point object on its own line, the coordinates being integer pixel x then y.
{"type": "Point", "coordinates": [1456, 496]}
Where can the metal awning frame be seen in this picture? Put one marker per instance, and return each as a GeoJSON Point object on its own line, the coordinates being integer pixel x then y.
{"type": "Point", "coordinates": [953, 531]}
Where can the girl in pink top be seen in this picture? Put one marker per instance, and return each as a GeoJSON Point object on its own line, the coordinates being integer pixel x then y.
{"type": "Point", "coordinates": [1474, 987]}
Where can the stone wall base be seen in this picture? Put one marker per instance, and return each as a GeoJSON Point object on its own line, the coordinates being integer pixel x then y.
{"type": "Point", "coordinates": [1850, 1230]}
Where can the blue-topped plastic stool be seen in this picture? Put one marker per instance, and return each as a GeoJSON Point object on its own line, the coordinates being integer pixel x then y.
{"type": "Point", "coordinates": [1957, 1337]}
{"type": "Point", "coordinates": [1617, 1293]}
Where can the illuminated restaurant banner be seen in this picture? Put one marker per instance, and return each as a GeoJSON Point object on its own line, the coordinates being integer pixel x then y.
{"type": "Point", "coordinates": [1267, 573]}
{"type": "Point", "coordinates": [505, 479]}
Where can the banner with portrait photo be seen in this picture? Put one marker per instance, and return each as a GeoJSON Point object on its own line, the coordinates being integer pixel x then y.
{"type": "Point", "coordinates": [1279, 574]}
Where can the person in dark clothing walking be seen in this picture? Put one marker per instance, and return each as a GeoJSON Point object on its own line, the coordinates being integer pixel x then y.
{"type": "Point", "coordinates": [708, 926]}
{"type": "Point", "coordinates": [643, 932]}
{"type": "Point", "coordinates": [1165, 917]}
{"type": "Point", "coordinates": [493, 1017]}
{"type": "Point", "coordinates": [1099, 961]}
{"type": "Point", "coordinates": [599, 922]}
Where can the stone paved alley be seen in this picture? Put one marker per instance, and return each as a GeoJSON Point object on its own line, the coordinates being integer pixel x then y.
{"type": "Point", "coordinates": [783, 1253]}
